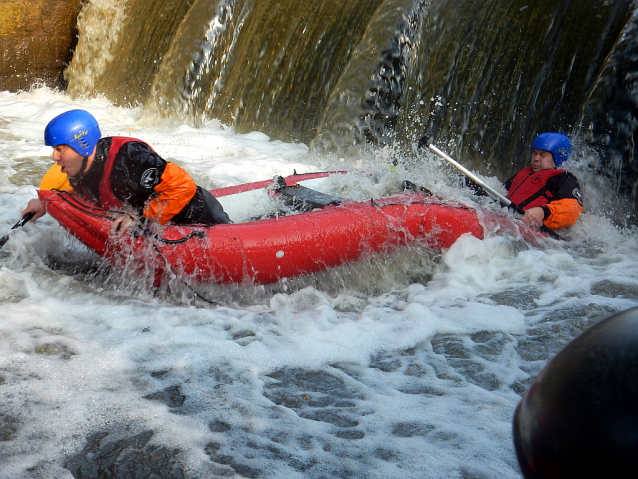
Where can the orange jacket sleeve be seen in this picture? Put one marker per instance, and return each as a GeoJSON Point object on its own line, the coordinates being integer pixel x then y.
{"type": "Point", "coordinates": [563, 213]}
{"type": "Point", "coordinates": [54, 179]}
{"type": "Point", "coordinates": [175, 189]}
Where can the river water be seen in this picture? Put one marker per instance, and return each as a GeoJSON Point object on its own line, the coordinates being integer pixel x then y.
{"type": "Point", "coordinates": [406, 366]}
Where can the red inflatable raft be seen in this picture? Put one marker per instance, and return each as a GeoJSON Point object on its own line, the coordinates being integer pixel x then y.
{"type": "Point", "coordinates": [269, 250]}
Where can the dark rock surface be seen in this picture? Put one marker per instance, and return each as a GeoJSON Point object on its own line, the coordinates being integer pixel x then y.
{"type": "Point", "coordinates": [37, 38]}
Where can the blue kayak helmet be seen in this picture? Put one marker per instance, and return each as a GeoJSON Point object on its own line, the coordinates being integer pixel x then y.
{"type": "Point", "coordinates": [76, 128]}
{"type": "Point", "coordinates": [557, 143]}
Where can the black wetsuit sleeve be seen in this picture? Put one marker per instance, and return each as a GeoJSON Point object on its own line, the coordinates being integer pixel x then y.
{"type": "Point", "coordinates": [508, 183]}
{"type": "Point", "coordinates": [564, 186]}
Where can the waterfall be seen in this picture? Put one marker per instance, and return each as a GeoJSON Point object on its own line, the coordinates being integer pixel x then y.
{"type": "Point", "coordinates": [482, 77]}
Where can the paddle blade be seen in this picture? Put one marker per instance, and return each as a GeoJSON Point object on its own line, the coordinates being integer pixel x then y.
{"type": "Point", "coordinates": [424, 142]}
{"type": "Point", "coordinates": [25, 219]}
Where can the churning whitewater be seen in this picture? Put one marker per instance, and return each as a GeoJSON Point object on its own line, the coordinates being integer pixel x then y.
{"type": "Point", "coordinates": [408, 365]}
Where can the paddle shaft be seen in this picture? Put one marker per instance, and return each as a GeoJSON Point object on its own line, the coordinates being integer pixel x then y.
{"type": "Point", "coordinates": [25, 219]}
{"type": "Point", "coordinates": [488, 189]}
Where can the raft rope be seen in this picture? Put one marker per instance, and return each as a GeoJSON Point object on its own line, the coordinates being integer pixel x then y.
{"type": "Point", "coordinates": [75, 202]}
{"type": "Point", "coordinates": [91, 210]}
{"type": "Point", "coordinates": [188, 286]}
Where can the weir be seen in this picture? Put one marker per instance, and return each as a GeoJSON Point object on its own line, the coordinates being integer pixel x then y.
{"type": "Point", "coordinates": [481, 77]}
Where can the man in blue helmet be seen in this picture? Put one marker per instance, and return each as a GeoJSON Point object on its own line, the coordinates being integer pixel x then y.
{"type": "Point", "coordinates": [549, 195]}
{"type": "Point", "coordinates": [122, 173]}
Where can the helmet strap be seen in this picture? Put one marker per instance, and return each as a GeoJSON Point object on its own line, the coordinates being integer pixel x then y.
{"type": "Point", "coordinates": [75, 180]}
{"type": "Point", "coordinates": [85, 161]}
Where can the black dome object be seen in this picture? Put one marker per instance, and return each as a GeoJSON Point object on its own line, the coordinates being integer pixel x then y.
{"type": "Point", "coordinates": [579, 417]}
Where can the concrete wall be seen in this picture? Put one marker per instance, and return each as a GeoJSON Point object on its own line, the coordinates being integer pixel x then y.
{"type": "Point", "coordinates": [37, 38]}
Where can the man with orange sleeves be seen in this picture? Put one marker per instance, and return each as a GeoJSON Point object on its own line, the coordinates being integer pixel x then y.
{"type": "Point", "coordinates": [549, 195]}
{"type": "Point", "coordinates": [122, 173]}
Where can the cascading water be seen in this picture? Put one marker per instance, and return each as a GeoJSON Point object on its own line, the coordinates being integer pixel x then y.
{"type": "Point", "coordinates": [266, 65]}
{"type": "Point", "coordinates": [482, 77]}
{"type": "Point", "coordinates": [610, 113]}
{"type": "Point", "coordinates": [491, 75]}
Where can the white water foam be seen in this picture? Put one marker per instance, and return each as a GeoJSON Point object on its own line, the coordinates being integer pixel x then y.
{"type": "Point", "coordinates": [416, 376]}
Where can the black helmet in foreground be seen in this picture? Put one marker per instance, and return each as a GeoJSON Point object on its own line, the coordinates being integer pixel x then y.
{"type": "Point", "coordinates": [579, 418]}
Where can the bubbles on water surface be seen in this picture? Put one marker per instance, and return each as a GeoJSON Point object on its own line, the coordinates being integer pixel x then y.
{"type": "Point", "coordinates": [407, 364]}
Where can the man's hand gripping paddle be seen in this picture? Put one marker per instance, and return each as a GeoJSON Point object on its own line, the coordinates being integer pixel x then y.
{"type": "Point", "coordinates": [425, 141]}
{"type": "Point", "coordinates": [25, 219]}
